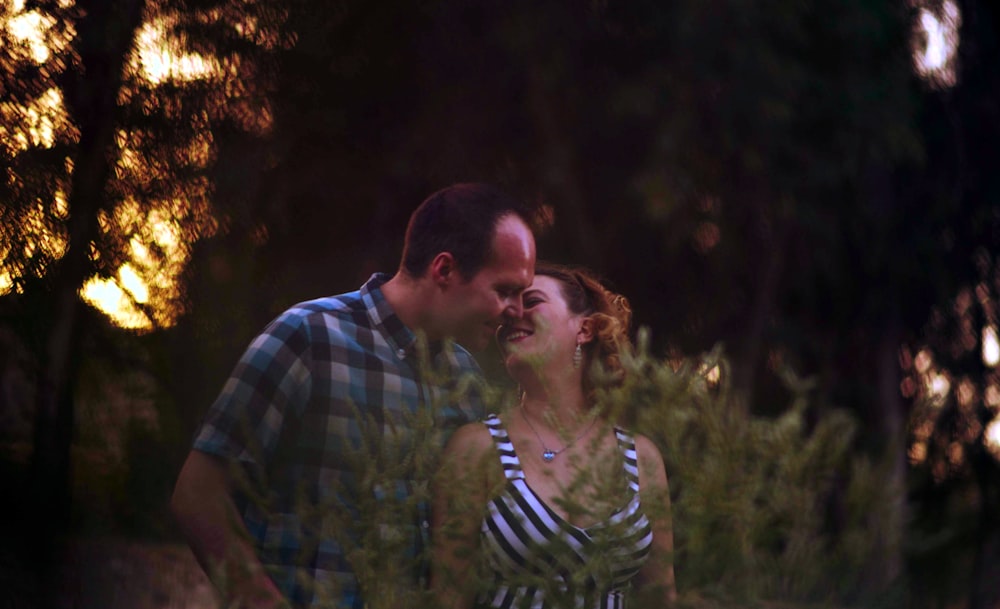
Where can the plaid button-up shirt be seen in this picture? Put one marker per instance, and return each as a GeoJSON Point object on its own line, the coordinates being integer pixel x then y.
{"type": "Point", "coordinates": [331, 415]}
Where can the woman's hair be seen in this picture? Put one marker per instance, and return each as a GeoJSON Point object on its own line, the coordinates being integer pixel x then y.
{"type": "Point", "coordinates": [611, 316]}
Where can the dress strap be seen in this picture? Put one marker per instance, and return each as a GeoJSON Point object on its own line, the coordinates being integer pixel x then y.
{"type": "Point", "coordinates": [626, 442]}
{"type": "Point", "coordinates": [508, 458]}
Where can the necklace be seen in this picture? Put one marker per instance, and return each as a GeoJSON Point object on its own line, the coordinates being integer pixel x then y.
{"type": "Point", "coordinates": [547, 453]}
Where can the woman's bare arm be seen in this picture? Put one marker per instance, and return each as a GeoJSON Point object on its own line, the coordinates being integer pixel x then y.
{"type": "Point", "coordinates": [459, 500]}
{"type": "Point", "coordinates": [657, 573]}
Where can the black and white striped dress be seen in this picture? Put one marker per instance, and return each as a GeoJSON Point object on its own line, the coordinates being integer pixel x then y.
{"type": "Point", "coordinates": [540, 560]}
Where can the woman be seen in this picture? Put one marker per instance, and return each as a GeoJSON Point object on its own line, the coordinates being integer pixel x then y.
{"type": "Point", "coordinates": [576, 509]}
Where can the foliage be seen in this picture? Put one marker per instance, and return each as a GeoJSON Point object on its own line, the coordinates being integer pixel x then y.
{"type": "Point", "coordinates": [765, 511]}
{"type": "Point", "coordinates": [780, 509]}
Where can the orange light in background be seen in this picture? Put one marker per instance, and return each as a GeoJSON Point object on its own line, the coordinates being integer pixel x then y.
{"type": "Point", "coordinates": [991, 347]}
{"type": "Point", "coordinates": [144, 293]}
{"type": "Point", "coordinates": [35, 125]}
{"type": "Point", "coordinates": [939, 385]}
{"type": "Point", "coordinates": [965, 394]}
{"type": "Point", "coordinates": [907, 388]}
{"type": "Point", "coordinates": [115, 298]}
{"type": "Point", "coordinates": [713, 376]}
{"type": "Point", "coordinates": [132, 283]}
{"type": "Point", "coordinates": [991, 397]}
{"type": "Point", "coordinates": [159, 62]}
{"type": "Point", "coordinates": [39, 122]}
{"type": "Point", "coordinates": [706, 237]}
{"type": "Point", "coordinates": [935, 42]}
{"type": "Point", "coordinates": [936, 386]}
{"type": "Point", "coordinates": [923, 361]}
{"type": "Point", "coordinates": [934, 383]}
{"type": "Point", "coordinates": [29, 28]}
{"type": "Point", "coordinates": [991, 437]}
{"type": "Point", "coordinates": [955, 453]}
{"type": "Point", "coordinates": [917, 452]}
{"type": "Point", "coordinates": [51, 243]}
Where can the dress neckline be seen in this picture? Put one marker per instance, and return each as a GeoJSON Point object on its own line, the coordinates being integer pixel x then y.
{"type": "Point", "coordinates": [518, 475]}
{"type": "Point", "coordinates": [561, 520]}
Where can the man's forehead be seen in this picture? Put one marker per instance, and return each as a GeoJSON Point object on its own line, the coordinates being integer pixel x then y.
{"type": "Point", "coordinates": [513, 245]}
{"type": "Point", "coordinates": [514, 230]}
{"type": "Point", "coordinates": [511, 264]}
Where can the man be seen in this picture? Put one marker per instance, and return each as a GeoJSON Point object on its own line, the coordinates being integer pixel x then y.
{"type": "Point", "coordinates": [297, 403]}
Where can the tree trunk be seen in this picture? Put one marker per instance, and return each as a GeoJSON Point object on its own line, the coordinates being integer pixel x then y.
{"type": "Point", "coordinates": [888, 557]}
{"type": "Point", "coordinates": [105, 36]}
{"type": "Point", "coordinates": [984, 588]}
{"type": "Point", "coordinates": [752, 345]}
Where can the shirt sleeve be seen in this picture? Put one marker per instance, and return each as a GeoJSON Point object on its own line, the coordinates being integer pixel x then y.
{"type": "Point", "coordinates": [463, 386]}
{"type": "Point", "coordinates": [270, 384]}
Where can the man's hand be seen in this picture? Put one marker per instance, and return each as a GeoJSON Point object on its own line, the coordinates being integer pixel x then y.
{"type": "Point", "coordinates": [203, 507]}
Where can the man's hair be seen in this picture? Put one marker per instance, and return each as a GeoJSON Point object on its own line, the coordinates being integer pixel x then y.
{"type": "Point", "coordinates": [460, 219]}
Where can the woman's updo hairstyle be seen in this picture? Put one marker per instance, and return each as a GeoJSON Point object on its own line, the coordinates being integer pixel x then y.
{"type": "Point", "coordinates": [611, 317]}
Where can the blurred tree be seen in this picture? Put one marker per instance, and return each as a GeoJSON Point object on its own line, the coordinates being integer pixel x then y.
{"type": "Point", "coordinates": [950, 368]}
{"type": "Point", "coordinates": [110, 115]}
{"type": "Point", "coordinates": [61, 181]}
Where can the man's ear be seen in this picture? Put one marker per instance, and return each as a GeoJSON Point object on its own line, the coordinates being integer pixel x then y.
{"type": "Point", "coordinates": [586, 332]}
{"type": "Point", "coordinates": [443, 269]}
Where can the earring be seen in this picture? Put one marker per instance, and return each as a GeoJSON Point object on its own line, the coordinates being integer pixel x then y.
{"type": "Point", "coordinates": [577, 356]}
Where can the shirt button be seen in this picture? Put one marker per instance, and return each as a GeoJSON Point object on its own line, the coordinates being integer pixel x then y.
{"type": "Point", "coordinates": [401, 353]}
{"type": "Point", "coordinates": [425, 524]}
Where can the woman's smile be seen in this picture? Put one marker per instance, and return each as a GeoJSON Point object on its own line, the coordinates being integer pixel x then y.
{"type": "Point", "coordinates": [516, 335]}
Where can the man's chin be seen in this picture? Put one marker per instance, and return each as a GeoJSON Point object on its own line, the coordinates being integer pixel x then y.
{"type": "Point", "coordinates": [476, 345]}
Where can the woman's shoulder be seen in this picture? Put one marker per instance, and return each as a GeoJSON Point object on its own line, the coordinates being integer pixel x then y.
{"type": "Point", "coordinates": [471, 451]}
{"type": "Point", "coordinates": [643, 445]}
{"type": "Point", "coordinates": [646, 450]}
{"type": "Point", "coordinates": [646, 446]}
{"type": "Point", "coordinates": [651, 467]}
{"type": "Point", "coordinates": [470, 438]}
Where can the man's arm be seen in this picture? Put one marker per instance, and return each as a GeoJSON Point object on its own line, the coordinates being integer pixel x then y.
{"type": "Point", "coordinates": [203, 507]}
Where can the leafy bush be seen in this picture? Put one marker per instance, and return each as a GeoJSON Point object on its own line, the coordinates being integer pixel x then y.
{"type": "Point", "coordinates": [766, 512]}
{"type": "Point", "coordinates": [781, 509]}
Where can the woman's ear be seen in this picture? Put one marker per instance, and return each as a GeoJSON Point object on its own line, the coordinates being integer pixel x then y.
{"type": "Point", "coordinates": [586, 332]}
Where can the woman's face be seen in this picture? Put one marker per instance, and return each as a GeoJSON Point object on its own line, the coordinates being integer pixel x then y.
{"type": "Point", "coordinates": [547, 333]}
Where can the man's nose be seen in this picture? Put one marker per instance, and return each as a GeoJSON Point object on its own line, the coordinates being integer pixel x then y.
{"type": "Point", "coordinates": [514, 308]}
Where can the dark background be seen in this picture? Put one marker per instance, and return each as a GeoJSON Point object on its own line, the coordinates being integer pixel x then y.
{"type": "Point", "coordinates": [776, 179]}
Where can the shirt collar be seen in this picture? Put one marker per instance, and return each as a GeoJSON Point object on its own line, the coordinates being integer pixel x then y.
{"type": "Point", "coordinates": [401, 339]}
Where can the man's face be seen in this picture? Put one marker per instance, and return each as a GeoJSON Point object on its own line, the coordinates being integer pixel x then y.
{"type": "Point", "coordinates": [479, 305]}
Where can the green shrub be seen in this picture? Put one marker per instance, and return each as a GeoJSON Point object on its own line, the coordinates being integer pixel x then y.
{"type": "Point", "coordinates": [767, 512]}
{"type": "Point", "coordinates": [778, 510]}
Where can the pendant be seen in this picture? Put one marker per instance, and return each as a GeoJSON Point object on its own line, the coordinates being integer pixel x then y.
{"type": "Point", "coordinates": [548, 456]}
